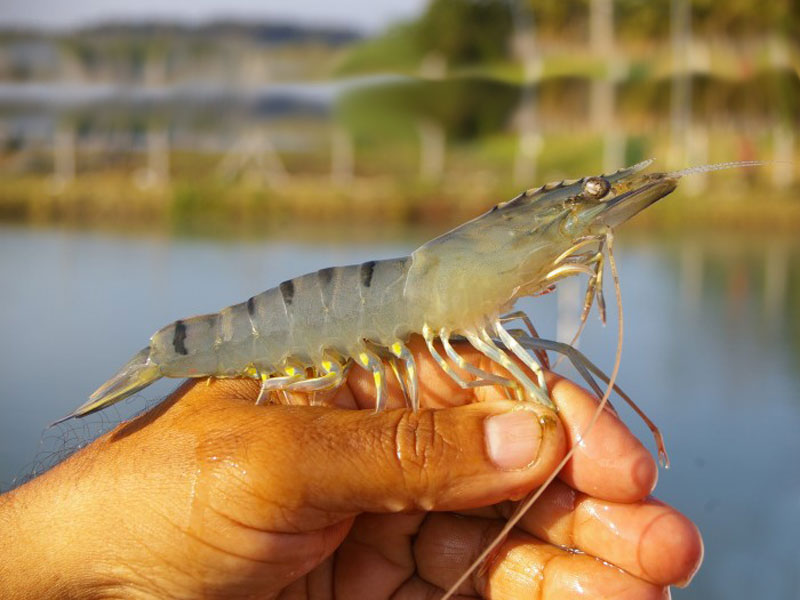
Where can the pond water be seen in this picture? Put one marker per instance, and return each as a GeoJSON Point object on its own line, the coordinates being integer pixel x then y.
{"type": "Point", "coordinates": [712, 349]}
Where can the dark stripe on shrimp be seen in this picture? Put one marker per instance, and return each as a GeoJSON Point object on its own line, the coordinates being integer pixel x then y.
{"type": "Point", "coordinates": [327, 288]}
{"type": "Point", "coordinates": [287, 291]}
{"type": "Point", "coordinates": [366, 273]}
{"type": "Point", "coordinates": [325, 275]}
{"type": "Point", "coordinates": [251, 306]}
{"type": "Point", "coordinates": [179, 340]}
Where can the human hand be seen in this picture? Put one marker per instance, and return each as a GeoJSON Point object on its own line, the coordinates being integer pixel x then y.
{"type": "Point", "coordinates": [209, 495]}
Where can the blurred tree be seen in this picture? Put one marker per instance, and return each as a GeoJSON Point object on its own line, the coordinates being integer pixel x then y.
{"type": "Point", "coordinates": [466, 108]}
{"type": "Point", "coordinates": [646, 18]}
{"type": "Point", "coordinates": [567, 19]}
{"type": "Point", "coordinates": [469, 31]}
{"type": "Point", "coordinates": [736, 17]}
{"type": "Point", "coordinates": [466, 31]}
{"type": "Point", "coordinates": [643, 18]}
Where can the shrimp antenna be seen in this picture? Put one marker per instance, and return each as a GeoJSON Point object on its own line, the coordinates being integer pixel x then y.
{"type": "Point", "coordinates": [574, 340]}
{"type": "Point", "coordinates": [719, 167]}
{"type": "Point", "coordinates": [591, 293]}
{"type": "Point", "coordinates": [523, 507]}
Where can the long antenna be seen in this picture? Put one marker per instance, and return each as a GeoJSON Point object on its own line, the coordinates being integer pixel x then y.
{"type": "Point", "coordinates": [719, 167]}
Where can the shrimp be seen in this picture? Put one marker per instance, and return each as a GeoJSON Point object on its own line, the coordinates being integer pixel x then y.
{"type": "Point", "coordinates": [303, 334]}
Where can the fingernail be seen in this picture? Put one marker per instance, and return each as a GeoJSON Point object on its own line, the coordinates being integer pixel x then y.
{"type": "Point", "coordinates": [513, 439]}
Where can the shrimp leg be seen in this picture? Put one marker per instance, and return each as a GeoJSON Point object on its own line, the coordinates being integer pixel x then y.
{"type": "Point", "coordinates": [430, 338]}
{"type": "Point", "coordinates": [394, 363]}
{"type": "Point", "coordinates": [584, 367]}
{"type": "Point", "coordinates": [333, 377]}
{"type": "Point", "coordinates": [521, 353]}
{"type": "Point", "coordinates": [484, 344]}
{"type": "Point", "coordinates": [371, 362]}
{"type": "Point", "coordinates": [598, 279]}
{"type": "Point", "coordinates": [594, 288]}
{"type": "Point", "coordinates": [411, 383]}
{"type": "Point", "coordinates": [269, 384]}
{"type": "Point", "coordinates": [444, 335]}
{"type": "Point", "coordinates": [562, 350]}
{"type": "Point", "coordinates": [540, 354]}
{"type": "Point", "coordinates": [536, 343]}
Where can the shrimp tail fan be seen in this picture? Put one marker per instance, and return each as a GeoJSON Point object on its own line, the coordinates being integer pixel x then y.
{"type": "Point", "coordinates": [136, 374]}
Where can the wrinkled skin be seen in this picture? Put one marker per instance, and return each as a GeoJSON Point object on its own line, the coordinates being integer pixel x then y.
{"type": "Point", "coordinates": [208, 495]}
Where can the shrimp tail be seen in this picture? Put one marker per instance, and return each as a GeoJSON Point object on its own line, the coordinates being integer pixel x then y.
{"type": "Point", "coordinates": [137, 373]}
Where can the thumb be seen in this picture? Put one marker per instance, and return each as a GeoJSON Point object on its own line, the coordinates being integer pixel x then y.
{"type": "Point", "coordinates": [329, 463]}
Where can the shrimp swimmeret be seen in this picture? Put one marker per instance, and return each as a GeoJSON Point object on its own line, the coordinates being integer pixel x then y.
{"type": "Point", "coordinates": [304, 334]}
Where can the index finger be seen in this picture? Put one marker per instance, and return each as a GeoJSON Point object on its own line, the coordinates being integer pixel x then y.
{"type": "Point", "coordinates": [609, 461]}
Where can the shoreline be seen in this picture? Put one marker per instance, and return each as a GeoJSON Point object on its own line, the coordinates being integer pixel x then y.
{"type": "Point", "coordinates": [109, 201]}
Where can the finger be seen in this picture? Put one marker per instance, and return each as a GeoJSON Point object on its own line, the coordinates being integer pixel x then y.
{"type": "Point", "coordinates": [376, 561]}
{"type": "Point", "coordinates": [609, 462]}
{"type": "Point", "coordinates": [375, 558]}
{"type": "Point", "coordinates": [419, 589]}
{"type": "Point", "coordinates": [648, 539]}
{"type": "Point", "coordinates": [322, 460]}
{"type": "Point", "coordinates": [522, 567]}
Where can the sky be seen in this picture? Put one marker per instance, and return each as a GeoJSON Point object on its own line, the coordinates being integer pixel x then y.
{"type": "Point", "coordinates": [365, 15]}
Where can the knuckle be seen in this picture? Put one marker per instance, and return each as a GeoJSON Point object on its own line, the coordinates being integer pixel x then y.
{"type": "Point", "coordinates": [421, 448]}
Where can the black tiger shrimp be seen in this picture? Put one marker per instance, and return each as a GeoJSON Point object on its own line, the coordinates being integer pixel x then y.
{"type": "Point", "coordinates": [463, 283]}
{"type": "Point", "coordinates": [303, 335]}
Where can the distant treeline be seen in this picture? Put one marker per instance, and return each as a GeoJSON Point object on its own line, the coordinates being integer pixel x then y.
{"type": "Point", "coordinates": [466, 31]}
{"type": "Point", "coordinates": [127, 51]}
{"type": "Point", "coordinates": [471, 108]}
{"type": "Point", "coordinates": [263, 32]}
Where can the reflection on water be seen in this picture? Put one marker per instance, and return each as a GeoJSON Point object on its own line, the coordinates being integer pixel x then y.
{"type": "Point", "coordinates": [712, 347]}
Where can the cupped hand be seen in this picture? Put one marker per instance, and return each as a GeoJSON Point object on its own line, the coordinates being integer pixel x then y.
{"type": "Point", "coordinates": [208, 495]}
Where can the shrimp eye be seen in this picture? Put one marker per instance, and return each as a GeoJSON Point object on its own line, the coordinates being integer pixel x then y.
{"type": "Point", "coordinates": [596, 187]}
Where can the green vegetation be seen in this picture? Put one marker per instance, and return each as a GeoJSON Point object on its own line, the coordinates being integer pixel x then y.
{"type": "Point", "coordinates": [395, 51]}
{"type": "Point", "coordinates": [466, 33]}
{"type": "Point", "coordinates": [464, 108]}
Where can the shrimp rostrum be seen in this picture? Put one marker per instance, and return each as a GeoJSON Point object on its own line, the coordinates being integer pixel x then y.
{"type": "Point", "coordinates": [304, 334]}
